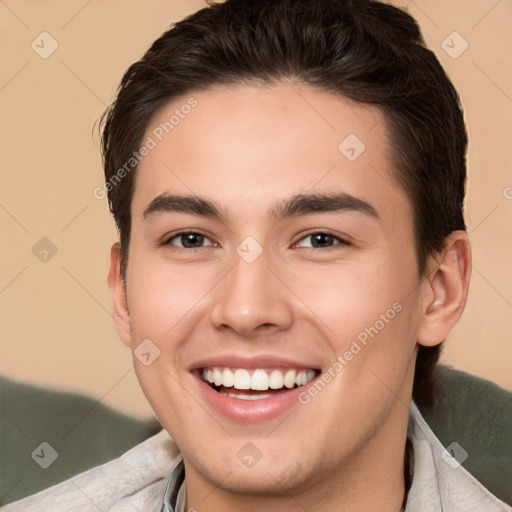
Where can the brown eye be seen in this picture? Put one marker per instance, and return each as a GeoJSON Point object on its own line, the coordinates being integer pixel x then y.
{"type": "Point", "coordinates": [189, 240]}
{"type": "Point", "coordinates": [321, 240]}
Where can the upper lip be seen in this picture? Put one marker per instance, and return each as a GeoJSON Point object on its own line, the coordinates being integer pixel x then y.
{"type": "Point", "coordinates": [251, 362]}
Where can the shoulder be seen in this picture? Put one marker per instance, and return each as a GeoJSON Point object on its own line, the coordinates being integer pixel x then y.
{"type": "Point", "coordinates": [136, 479]}
{"type": "Point", "coordinates": [477, 415]}
{"type": "Point", "coordinates": [462, 446]}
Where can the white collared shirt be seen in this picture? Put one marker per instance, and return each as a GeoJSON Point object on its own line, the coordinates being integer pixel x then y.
{"type": "Point", "coordinates": [137, 481]}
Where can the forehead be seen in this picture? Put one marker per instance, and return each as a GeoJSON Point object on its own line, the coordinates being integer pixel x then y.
{"type": "Point", "coordinates": [253, 145]}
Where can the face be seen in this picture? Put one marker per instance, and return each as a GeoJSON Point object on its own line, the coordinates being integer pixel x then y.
{"type": "Point", "coordinates": [272, 267]}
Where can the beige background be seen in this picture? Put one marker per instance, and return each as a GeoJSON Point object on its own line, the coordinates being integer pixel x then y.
{"type": "Point", "coordinates": [57, 328]}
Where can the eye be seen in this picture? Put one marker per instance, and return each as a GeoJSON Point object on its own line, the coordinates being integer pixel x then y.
{"type": "Point", "coordinates": [320, 240]}
{"type": "Point", "coordinates": [189, 240]}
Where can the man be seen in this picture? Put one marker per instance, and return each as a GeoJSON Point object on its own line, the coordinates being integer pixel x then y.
{"type": "Point", "coordinates": [287, 177]}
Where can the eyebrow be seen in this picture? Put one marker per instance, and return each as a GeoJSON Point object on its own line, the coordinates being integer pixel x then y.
{"type": "Point", "coordinates": [304, 204]}
{"type": "Point", "coordinates": [185, 204]}
{"type": "Point", "coordinates": [301, 204]}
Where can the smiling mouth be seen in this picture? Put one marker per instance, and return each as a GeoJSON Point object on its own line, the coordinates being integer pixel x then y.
{"type": "Point", "coordinates": [257, 384]}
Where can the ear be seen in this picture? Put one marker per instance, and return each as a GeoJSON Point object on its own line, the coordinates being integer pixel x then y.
{"type": "Point", "coordinates": [446, 290]}
{"type": "Point", "coordinates": [118, 292]}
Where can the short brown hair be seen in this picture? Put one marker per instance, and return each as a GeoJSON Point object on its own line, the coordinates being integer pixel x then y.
{"type": "Point", "coordinates": [365, 50]}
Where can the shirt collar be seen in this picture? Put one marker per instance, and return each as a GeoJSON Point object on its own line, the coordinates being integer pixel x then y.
{"type": "Point", "coordinates": [174, 497]}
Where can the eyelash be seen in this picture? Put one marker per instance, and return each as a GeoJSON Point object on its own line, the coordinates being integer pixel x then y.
{"type": "Point", "coordinates": [167, 242]}
{"type": "Point", "coordinates": [340, 241]}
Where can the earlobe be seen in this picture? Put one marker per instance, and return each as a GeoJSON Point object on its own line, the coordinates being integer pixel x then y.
{"type": "Point", "coordinates": [118, 293]}
{"type": "Point", "coordinates": [446, 290]}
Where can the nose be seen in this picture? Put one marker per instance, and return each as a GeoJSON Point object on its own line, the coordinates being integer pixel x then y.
{"type": "Point", "coordinates": [252, 299]}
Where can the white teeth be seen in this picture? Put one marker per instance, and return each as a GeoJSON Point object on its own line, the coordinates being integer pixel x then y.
{"type": "Point", "coordinates": [228, 378]}
{"type": "Point", "coordinates": [260, 380]}
{"type": "Point", "coordinates": [300, 378]}
{"type": "Point", "coordinates": [217, 377]}
{"type": "Point", "coordinates": [276, 380]}
{"type": "Point", "coordinates": [242, 379]}
{"type": "Point", "coordinates": [241, 396]}
{"type": "Point", "coordinates": [289, 378]}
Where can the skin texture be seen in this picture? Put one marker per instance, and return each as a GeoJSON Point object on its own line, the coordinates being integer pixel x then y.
{"type": "Point", "coordinates": [247, 149]}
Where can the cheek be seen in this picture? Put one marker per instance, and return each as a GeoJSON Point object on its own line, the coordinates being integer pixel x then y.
{"type": "Point", "coordinates": [368, 315]}
{"type": "Point", "coordinates": [165, 298]}
{"type": "Point", "coordinates": [347, 299]}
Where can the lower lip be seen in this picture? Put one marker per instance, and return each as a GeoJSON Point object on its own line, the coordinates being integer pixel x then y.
{"type": "Point", "coordinates": [250, 410]}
